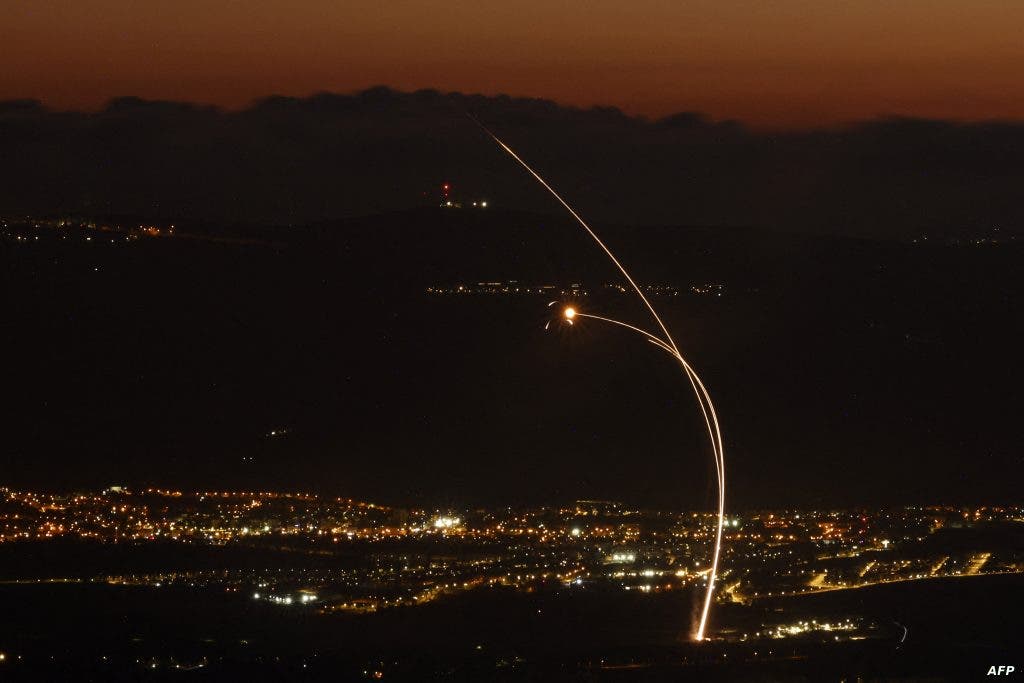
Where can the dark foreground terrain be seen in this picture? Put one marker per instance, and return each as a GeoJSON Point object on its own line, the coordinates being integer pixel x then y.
{"type": "Point", "coordinates": [955, 630]}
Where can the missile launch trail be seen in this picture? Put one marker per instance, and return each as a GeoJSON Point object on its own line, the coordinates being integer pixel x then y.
{"type": "Point", "coordinates": [667, 344]}
{"type": "Point", "coordinates": [714, 433]}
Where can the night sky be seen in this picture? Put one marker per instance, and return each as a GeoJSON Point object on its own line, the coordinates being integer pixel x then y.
{"type": "Point", "coordinates": [780, 64]}
{"type": "Point", "coordinates": [849, 172]}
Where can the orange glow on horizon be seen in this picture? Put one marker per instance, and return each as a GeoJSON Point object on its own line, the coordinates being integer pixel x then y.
{"type": "Point", "coordinates": [787, 63]}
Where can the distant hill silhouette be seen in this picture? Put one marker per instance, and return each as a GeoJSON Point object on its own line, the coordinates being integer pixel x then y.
{"type": "Point", "coordinates": [296, 160]}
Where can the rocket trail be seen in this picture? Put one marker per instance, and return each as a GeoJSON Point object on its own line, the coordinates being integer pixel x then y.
{"type": "Point", "coordinates": [669, 345]}
{"type": "Point", "coordinates": [714, 433]}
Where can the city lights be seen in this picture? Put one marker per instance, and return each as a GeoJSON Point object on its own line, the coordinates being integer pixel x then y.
{"type": "Point", "coordinates": [604, 545]}
{"type": "Point", "coordinates": [445, 522]}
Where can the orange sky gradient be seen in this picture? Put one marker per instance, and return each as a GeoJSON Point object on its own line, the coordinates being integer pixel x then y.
{"type": "Point", "coordinates": [785, 63]}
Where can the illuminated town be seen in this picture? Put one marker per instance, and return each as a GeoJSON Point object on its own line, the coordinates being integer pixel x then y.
{"type": "Point", "coordinates": [410, 557]}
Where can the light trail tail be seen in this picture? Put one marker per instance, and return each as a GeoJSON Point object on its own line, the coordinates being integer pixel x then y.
{"type": "Point", "coordinates": [668, 344]}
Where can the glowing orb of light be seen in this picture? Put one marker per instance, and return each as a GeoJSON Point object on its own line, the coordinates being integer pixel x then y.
{"type": "Point", "coordinates": [569, 313]}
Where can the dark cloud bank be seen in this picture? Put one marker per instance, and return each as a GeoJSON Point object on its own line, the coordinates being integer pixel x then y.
{"type": "Point", "coordinates": [290, 160]}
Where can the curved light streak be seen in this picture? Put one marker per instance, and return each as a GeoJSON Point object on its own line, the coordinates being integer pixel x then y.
{"type": "Point", "coordinates": [714, 433]}
{"type": "Point", "coordinates": [703, 398]}
{"type": "Point", "coordinates": [667, 343]}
